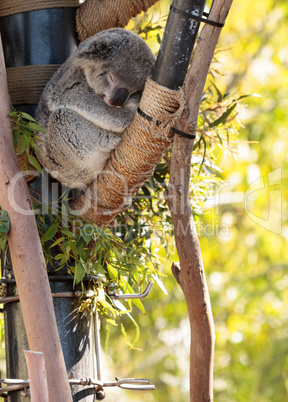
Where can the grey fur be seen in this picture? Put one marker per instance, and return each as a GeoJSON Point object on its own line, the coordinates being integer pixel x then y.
{"type": "Point", "coordinates": [82, 127]}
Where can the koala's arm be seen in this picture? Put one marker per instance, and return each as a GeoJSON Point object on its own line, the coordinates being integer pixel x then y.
{"type": "Point", "coordinates": [80, 98]}
{"type": "Point", "coordinates": [74, 150]}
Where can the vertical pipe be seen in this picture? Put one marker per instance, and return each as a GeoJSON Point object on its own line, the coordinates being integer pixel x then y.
{"type": "Point", "coordinates": [97, 345]}
{"type": "Point", "coordinates": [177, 44]}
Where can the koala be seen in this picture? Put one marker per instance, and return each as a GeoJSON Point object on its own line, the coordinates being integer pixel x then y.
{"type": "Point", "coordinates": [89, 102]}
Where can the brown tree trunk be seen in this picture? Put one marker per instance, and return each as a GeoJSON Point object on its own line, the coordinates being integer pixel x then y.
{"type": "Point", "coordinates": [190, 273]}
{"type": "Point", "coordinates": [27, 257]}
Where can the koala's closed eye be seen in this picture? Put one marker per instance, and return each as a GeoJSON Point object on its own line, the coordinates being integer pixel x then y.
{"type": "Point", "coordinates": [85, 122]}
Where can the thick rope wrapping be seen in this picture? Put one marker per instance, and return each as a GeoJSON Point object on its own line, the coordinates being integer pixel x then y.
{"type": "Point", "coordinates": [26, 83]}
{"type": "Point", "coordinates": [135, 158]}
{"type": "Point", "coordinates": [96, 15]}
{"type": "Point", "coordinates": [10, 7]}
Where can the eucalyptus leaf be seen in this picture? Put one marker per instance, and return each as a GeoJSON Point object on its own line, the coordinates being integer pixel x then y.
{"type": "Point", "coordinates": [79, 273]}
{"type": "Point", "coordinates": [34, 162]}
{"type": "Point", "coordinates": [27, 116]}
{"type": "Point", "coordinates": [35, 127]}
{"type": "Point", "coordinates": [4, 221]}
{"type": "Point", "coordinates": [224, 116]}
{"type": "Point", "coordinates": [24, 142]}
{"type": "Point", "coordinates": [51, 232]}
{"type": "Point", "coordinates": [112, 272]}
{"type": "Point", "coordinates": [16, 137]}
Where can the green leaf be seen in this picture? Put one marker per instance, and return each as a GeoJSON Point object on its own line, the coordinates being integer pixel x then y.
{"type": "Point", "coordinates": [13, 114]}
{"type": "Point", "coordinates": [111, 321]}
{"type": "Point", "coordinates": [86, 236]}
{"type": "Point", "coordinates": [248, 96]}
{"type": "Point", "coordinates": [35, 127]}
{"type": "Point", "coordinates": [53, 229]}
{"type": "Point", "coordinates": [57, 242]}
{"type": "Point", "coordinates": [2, 229]}
{"type": "Point", "coordinates": [220, 96]}
{"type": "Point", "coordinates": [224, 116]}
{"type": "Point", "coordinates": [24, 141]}
{"type": "Point", "coordinates": [36, 149]}
{"type": "Point", "coordinates": [131, 345]}
{"type": "Point", "coordinates": [113, 273]}
{"type": "Point", "coordinates": [98, 269]}
{"type": "Point", "coordinates": [79, 273]}
{"type": "Point", "coordinates": [139, 304]}
{"type": "Point", "coordinates": [16, 137]}
{"type": "Point", "coordinates": [3, 241]}
{"type": "Point", "coordinates": [4, 222]}
{"type": "Point", "coordinates": [27, 116]}
{"type": "Point", "coordinates": [34, 163]}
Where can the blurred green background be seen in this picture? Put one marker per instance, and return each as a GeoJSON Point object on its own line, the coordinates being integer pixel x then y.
{"type": "Point", "coordinates": [243, 238]}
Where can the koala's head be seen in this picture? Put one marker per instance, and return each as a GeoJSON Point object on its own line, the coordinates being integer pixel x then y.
{"type": "Point", "coordinates": [116, 63]}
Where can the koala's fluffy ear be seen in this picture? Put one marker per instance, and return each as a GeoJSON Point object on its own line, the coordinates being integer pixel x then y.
{"type": "Point", "coordinates": [100, 50]}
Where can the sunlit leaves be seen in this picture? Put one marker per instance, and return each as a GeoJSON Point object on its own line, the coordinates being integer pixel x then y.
{"type": "Point", "coordinates": [89, 251]}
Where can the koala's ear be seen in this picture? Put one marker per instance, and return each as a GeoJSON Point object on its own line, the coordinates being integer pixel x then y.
{"type": "Point", "coordinates": [101, 50]}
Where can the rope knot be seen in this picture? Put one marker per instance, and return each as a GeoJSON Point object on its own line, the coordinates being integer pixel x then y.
{"type": "Point", "coordinates": [163, 105]}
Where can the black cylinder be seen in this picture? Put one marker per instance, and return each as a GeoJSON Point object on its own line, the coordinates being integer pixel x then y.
{"type": "Point", "coordinates": [178, 42]}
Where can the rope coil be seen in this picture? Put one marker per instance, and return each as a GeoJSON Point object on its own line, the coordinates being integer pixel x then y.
{"type": "Point", "coordinates": [95, 15]}
{"type": "Point", "coordinates": [11, 7]}
{"type": "Point", "coordinates": [141, 149]}
{"type": "Point", "coordinates": [27, 83]}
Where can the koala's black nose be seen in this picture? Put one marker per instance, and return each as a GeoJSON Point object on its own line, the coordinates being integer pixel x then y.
{"type": "Point", "coordinates": [119, 98]}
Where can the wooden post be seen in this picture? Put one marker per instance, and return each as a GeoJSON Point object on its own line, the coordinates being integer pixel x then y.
{"type": "Point", "coordinates": [27, 257]}
{"type": "Point", "coordinates": [37, 376]}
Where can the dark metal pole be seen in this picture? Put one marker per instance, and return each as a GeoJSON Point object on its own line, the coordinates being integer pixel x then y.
{"type": "Point", "coordinates": [45, 37]}
{"type": "Point", "coordinates": [178, 42]}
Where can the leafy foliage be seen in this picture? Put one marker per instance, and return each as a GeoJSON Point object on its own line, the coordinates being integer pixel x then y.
{"type": "Point", "coordinates": [24, 129]}
{"type": "Point", "coordinates": [109, 263]}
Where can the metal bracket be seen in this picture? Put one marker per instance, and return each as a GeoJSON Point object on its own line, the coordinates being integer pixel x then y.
{"type": "Point", "coordinates": [77, 293]}
{"type": "Point", "coordinates": [132, 384]}
{"type": "Point", "coordinates": [123, 296]}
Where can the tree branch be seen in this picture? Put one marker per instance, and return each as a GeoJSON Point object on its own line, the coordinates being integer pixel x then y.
{"type": "Point", "coordinates": [191, 276]}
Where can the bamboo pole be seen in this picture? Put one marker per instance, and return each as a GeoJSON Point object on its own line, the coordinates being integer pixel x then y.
{"type": "Point", "coordinates": [27, 257]}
